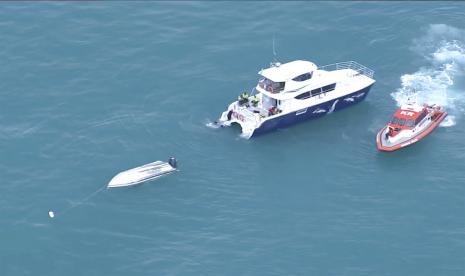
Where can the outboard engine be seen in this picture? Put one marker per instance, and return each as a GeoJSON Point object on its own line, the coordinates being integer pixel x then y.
{"type": "Point", "coordinates": [173, 163]}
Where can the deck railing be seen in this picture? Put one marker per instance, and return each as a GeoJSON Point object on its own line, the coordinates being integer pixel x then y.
{"type": "Point", "coordinates": [349, 65]}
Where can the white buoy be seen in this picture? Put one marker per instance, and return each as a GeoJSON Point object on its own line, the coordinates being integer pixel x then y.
{"type": "Point", "coordinates": [51, 214]}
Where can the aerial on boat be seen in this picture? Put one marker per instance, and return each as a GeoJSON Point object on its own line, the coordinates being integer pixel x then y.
{"type": "Point", "coordinates": [410, 123]}
{"type": "Point", "coordinates": [297, 91]}
{"type": "Point", "coordinates": [143, 173]}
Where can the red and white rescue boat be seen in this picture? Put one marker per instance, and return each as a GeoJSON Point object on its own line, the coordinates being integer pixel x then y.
{"type": "Point", "coordinates": [411, 123]}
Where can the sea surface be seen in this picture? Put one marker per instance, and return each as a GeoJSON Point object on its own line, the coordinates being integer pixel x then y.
{"type": "Point", "coordinates": [89, 89]}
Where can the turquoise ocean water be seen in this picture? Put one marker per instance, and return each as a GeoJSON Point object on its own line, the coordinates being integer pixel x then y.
{"type": "Point", "coordinates": [90, 89]}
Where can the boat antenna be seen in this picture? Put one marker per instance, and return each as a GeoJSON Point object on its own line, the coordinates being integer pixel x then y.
{"type": "Point", "coordinates": [274, 50]}
{"type": "Point", "coordinates": [411, 95]}
{"type": "Point", "coordinates": [275, 59]}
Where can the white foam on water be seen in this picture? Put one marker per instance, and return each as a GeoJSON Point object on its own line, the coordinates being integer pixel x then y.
{"type": "Point", "coordinates": [245, 135]}
{"type": "Point", "coordinates": [448, 121]}
{"type": "Point", "coordinates": [443, 47]}
{"type": "Point", "coordinates": [211, 124]}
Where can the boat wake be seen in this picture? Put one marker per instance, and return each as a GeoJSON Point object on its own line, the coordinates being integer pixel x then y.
{"type": "Point", "coordinates": [211, 124]}
{"type": "Point", "coordinates": [448, 121]}
{"type": "Point", "coordinates": [443, 47]}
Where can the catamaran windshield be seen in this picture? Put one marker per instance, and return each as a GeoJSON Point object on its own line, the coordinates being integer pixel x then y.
{"type": "Point", "coordinates": [271, 86]}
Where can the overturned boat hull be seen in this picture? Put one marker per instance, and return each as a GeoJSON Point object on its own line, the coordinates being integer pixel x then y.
{"type": "Point", "coordinates": [141, 174]}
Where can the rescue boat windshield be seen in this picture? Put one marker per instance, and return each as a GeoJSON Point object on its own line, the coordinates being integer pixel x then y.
{"type": "Point", "coordinates": [410, 123]}
{"type": "Point", "coordinates": [271, 86]}
{"type": "Point", "coordinates": [402, 122]}
{"type": "Point", "coordinates": [397, 121]}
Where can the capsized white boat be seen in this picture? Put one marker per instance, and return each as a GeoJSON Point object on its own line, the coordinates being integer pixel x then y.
{"type": "Point", "coordinates": [143, 173]}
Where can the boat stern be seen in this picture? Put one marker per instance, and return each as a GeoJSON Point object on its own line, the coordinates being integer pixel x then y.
{"type": "Point", "coordinates": [248, 118]}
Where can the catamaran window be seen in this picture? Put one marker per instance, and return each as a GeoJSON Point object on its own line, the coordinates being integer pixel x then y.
{"type": "Point", "coordinates": [303, 77]}
{"type": "Point", "coordinates": [268, 102]}
{"type": "Point", "coordinates": [271, 86]}
{"type": "Point", "coordinates": [302, 96]}
{"type": "Point", "coordinates": [316, 92]}
{"type": "Point", "coordinates": [328, 88]}
{"type": "Point", "coordinates": [323, 89]}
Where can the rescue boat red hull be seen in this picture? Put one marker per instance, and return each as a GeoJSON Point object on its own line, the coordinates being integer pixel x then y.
{"type": "Point", "coordinates": [411, 141]}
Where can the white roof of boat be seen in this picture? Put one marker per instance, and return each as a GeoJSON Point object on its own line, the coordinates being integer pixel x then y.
{"type": "Point", "coordinates": [288, 71]}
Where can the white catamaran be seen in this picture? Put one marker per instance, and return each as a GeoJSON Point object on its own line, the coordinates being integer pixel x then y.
{"type": "Point", "coordinates": [297, 91]}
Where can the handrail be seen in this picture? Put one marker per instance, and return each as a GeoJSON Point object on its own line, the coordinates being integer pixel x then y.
{"type": "Point", "coordinates": [349, 65]}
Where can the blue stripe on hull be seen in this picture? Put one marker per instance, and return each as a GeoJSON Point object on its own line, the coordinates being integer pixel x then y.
{"type": "Point", "coordinates": [312, 112]}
